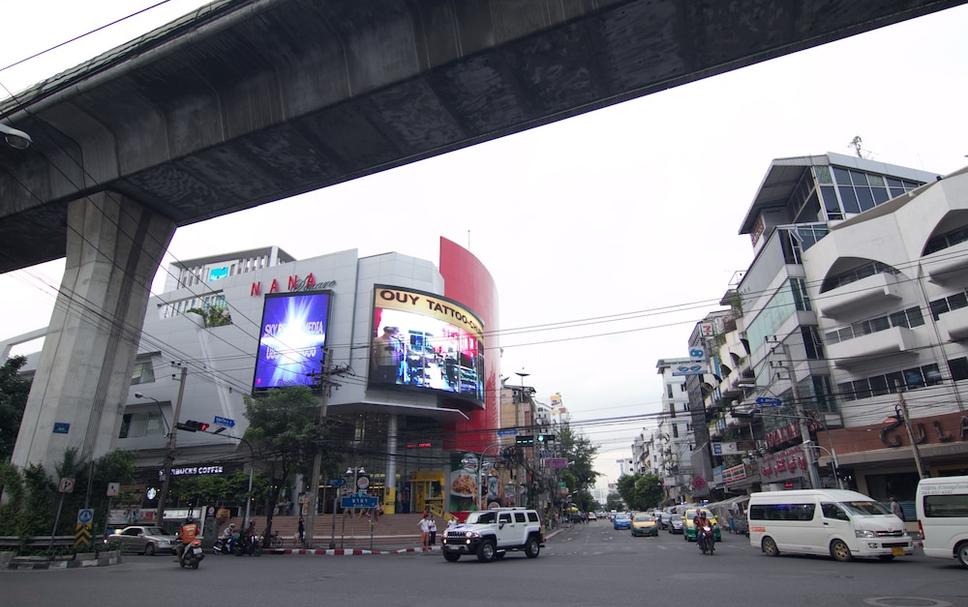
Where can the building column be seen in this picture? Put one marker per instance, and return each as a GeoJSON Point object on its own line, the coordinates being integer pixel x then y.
{"type": "Point", "coordinates": [114, 247]}
{"type": "Point", "coordinates": [390, 483]}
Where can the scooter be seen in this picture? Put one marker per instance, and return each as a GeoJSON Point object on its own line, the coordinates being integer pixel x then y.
{"type": "Point", "coordinates": [252, 546]}
{"type": "Point", "coordinates": [191, 555]}
{"type": "Point", "coordinates": [225, 546]}
{"type": "Point", "coordinates": [706, 541]}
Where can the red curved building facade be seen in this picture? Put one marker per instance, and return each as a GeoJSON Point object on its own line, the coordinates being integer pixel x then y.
{"type": "Point", "coordinates": [468, 281]}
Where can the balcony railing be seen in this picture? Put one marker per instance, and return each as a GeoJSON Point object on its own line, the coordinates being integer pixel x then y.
{"type": "Point", "coordinates": [853, 352]}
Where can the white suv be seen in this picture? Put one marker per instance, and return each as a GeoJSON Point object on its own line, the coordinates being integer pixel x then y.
{"type": "Point", "coordinates": [490, 534]}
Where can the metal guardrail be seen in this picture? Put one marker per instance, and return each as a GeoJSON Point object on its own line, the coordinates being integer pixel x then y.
{"type": "Point", "coordinates": [35, 541]}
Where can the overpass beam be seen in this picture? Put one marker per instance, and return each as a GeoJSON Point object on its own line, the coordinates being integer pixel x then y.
{"type": "Point", "coordinates": [114, 247]}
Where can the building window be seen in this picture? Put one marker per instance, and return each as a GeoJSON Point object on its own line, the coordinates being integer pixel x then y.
{"type": "Point", "coordinates": [959, 368]}
{"type": "Point", "coordinates": [669, 390]}
{"type": "Point", "coordinates": [861, 191]}
{"type": "Point", "coordinates": [800, 299]}
{"type": "Point", "coordinates": [143, 372]}
{"type": "Point", "coordinates": [878, 385]}
{"type": "Point", "coordinates": [863, 271]}
{"type": "Point", "coordinates": [949, 303]}
{"type": "Point", "coordinates": [908, 318]}
{"type": "Point", "coordinates": [943, 241]}
{"type": "Point", "coordinates": [137, 425]}
{"type": "Point", "coordinates": [811, 342]}
{"type": "Point", "coordinates": [675, 430]}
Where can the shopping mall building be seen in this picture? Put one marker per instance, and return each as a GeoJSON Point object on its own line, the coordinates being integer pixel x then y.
{"type": "Point", "coordinates": [412, 347]}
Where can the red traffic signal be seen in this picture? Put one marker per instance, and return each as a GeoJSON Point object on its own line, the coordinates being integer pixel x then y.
{"type": "Point", "coordinates": [190, 425]}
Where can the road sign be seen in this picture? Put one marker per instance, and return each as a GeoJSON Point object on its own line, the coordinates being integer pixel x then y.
{"type": "Point", "coordinates": [359, 501]}
{"type": "Point", "coordinates": [336, 482]}
{"type": "Point", "coordinates": [362, 482]}
{"type": "Point", "coordinates": [82, 535]}
{"type": "Point", "coordinates": [85, 516]}
{"type": "Point", "coordinates": [228, 422]}
{"type": "Point", "coordinates": [114, 489]}
{"type": "Point", "coordinates": [689, 369]}
{"type": "Point", "coordinates": [697, 354]}
{"type": "Point", "coordinates": [66, 485]}
{"type": "Point", "coordinates": [556, 463]}
{"type": "Point", "coordinates": [768, 401]}
{"type": "Point", "coordinates": [507, 432]}
{"type": "Point", "coordinates": [61, 427]}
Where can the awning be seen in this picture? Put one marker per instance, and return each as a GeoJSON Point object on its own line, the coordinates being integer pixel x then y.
{"type": "Point", "coordinates": [959, 448]}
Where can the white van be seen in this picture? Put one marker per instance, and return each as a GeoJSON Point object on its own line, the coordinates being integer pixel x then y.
{"type": "Point", "coordinates": [942, 505]}
{"type": "Point", "coordinates": [843, 524]}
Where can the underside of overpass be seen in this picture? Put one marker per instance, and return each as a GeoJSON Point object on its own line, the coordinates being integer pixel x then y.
{"type": "Point", "coordinates": [249, 101]}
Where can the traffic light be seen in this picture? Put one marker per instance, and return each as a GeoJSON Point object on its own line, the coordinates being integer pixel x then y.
{"type": "Point", "coordinates": [525, 439]}
{"type": "Point", "coordinates": [546, 438]}
{"type": "Point", "coordinates": [190, 425]}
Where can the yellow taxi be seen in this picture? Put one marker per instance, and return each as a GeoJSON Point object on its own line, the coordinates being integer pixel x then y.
{"type": "Point", "coordinates": [689, 528]}
{"type": "Point", "coordinates": [644, 524]}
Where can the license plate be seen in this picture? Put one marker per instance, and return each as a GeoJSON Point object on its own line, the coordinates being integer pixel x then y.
{"type": "Point", "coordinates": [199, 550]}
{"type": "Point", "coordinates": [897, 551]}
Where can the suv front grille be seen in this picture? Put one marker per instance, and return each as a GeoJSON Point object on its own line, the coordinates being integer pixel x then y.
{"type": "Point", "coordinates": [890, 534]}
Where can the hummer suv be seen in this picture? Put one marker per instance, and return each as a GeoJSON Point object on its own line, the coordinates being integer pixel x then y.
{"type": "Point", "coordinates": [490, 534]}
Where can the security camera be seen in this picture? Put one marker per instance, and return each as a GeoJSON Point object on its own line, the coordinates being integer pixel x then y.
{"type": "Point", "coordinates": [15, 138]}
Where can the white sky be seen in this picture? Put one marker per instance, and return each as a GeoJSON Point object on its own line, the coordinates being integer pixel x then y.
{"type": "Point", "coordinates": [628, 208]}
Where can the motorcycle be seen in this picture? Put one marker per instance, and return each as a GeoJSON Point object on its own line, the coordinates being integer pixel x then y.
{"type": "Point", "coordinates": [225, 546]}
{"type": "Point", "coordinates": [705, 540]}
{"type": "Point", "coordinates": [191, 555]}
{"type": "Point", "coordinates": [251, 546]}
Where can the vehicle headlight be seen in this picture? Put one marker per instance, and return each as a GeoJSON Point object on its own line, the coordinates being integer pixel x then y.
{"type": "Point", "coordinates": [864, 533]}
{"type": "Point", "coordinates": [472, 534]}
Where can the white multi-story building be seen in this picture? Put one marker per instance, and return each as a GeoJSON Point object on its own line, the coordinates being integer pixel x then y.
{"type": "Point", "coordinates": [674, 435]}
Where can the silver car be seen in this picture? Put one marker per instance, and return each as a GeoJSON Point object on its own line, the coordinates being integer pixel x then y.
{"type": "Point", "coordinates": [144, 539]}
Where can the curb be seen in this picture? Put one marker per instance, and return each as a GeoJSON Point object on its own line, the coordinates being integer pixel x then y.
{"type": "Point", "coordinates": [105, 561]}
{"type": "Point", "coordinates": [345, 551]}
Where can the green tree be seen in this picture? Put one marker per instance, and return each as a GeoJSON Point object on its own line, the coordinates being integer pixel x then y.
{"type": "Point", "coordinates": [13, 398]}
{"type": "Point", "coordinates": [614, 502]}
{"type": "Point", "coordinates": [285, 428]}
{"type": "Point", "coordinates": [213, 316]}
{"type": "Point", "coordinates": [580, 474]}
{"type": "Point", "coordinates": [640, 491]}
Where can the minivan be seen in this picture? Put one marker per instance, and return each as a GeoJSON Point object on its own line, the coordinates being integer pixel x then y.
{"type": "Point", "coordinates": [842, 524]}
{"type": "Point", "coordinates": [942, 506]}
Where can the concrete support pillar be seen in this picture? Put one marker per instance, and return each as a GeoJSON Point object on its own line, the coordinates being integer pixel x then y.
{"type": "Point", "coordinates": [114, 247]}
{"type": "Point", "coordinates": [390, 486]}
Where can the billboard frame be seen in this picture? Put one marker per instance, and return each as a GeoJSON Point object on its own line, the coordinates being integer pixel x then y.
{"type": "Point", "coordinates": [316, 387]}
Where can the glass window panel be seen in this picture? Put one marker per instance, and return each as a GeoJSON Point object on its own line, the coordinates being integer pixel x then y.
{"type": "Point", "coordinates": [846, 391]}
{"type": "Point", "coordinates": [915, 318]}
{"type": "Point", "coordinates": [913, 378]}
{"type": "Point", "coordinates": [862, 388]}
{"type": "Point", "coordinates": [880, 195]}
{"type": "Point", "coordinates": [849, 199]}
{"type": "Point", "coordinates": [910, 185]}
{"type": "Point", "coordinates": [875, 180]}
{"type": "Point", "coordinates": [939, 307]}
{"type": "Point", "coordinates": [861, 328]}
{"type": "Point", "coordinates": [959, 368]}
{"type": "Point", "coordinates": [823, 174]}
{"type": "Point", "coordinates": [842, 176]}
{"type": "Point", "coordinates": [957, 301]}
{"type": "Point", "coordinates": [879, 385]}
{"type": "Point", "coordinates": [864, 198]}
{"type": "Point", "coordinates": [832, 337]}
{"type": "Point", "coordinates": [880, 323]}
{"type": "Point", "coordinates": [899, 319]}
{"type": "Point", "coordinates": [829, 195]}
{"type": "Point", "coordinates": [894, 379]}
{"type": "Point", "coordinates": [894, 183]}
{"type": "Point", "coordinates": [895, 192]}
{"type": "Point", "coordinates": [858, 177]}
{"type": "Point", "coordinates": [932, 374]}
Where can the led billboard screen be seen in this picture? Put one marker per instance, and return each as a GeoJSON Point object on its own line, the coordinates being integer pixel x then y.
{"type": "Point", "coordinates": [292, 339]}
{"type": "Point", "coordinates": [424, 341]}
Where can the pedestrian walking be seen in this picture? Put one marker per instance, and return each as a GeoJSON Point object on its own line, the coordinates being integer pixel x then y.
{"type": "Point", "coordinates": [432, 529]}
{"type": "Point", "coordinates": [424, 526]}
{"type": "Point", "coordinates": [896, 508]}
{"type": "Point", "coordinates": [302, 531]}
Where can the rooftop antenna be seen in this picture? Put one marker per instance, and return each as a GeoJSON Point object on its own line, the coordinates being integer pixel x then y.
{"type": "Point", "coordinates": [468, 240]}
{"type": "Point", "coordinates": [857, 144]}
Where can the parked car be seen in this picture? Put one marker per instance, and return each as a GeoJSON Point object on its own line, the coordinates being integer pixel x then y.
{"type": "Point", "coordinates": [144, 539]}
{"type": "Point", "coordinates": [842, 524]}
{"type": "Point", "coordinates": [942, 506]}
{"type": "Point", "coordinates": [689, 528]}
{"type": "Point", "coordinates": [621, 521]}
{"type": "Point", "coordinates": [644, 525]}
{"type": "Point", "coordinates": [592, 516]}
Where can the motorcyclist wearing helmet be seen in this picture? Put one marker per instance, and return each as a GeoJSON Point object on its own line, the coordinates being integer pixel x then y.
{"type": "Point", "coordinates": [186, 535]}
{"type": "Point", "coordinates": [701, 521]}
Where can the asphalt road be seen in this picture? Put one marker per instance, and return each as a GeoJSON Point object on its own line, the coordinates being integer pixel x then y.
{"type": "Point", "coordinates": [588, 565]}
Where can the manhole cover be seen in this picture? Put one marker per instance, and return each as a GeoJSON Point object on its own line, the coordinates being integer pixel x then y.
{"type": "Point", "coordinates": [905, 601]}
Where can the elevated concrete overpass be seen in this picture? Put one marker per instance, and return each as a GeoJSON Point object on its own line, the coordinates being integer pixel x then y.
{"type": "Point", "coordinates": [246, 102]}
{"type": "Point", "coordinates": [249, 101]}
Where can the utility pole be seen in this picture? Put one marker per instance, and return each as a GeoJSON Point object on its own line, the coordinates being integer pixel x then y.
{"type": "Point", "coordinates": [318, 458]}
{"type": "Point", "coordinates": [801, 417]}
{"type": "Point", "coordinates": [903, 410]}
{"type": "Point", "coordinates": [170, 455]}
